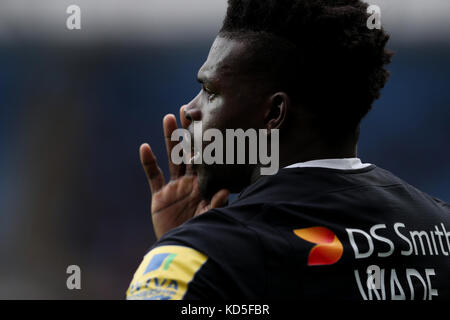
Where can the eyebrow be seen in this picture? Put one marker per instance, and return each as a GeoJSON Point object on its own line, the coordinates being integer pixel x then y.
{"type": "Point", "coordinates": [202, 75]}
{"type": "Point", "coordinates": [205, 76]}
{"type": "Point", "coordinates": [203, 79]}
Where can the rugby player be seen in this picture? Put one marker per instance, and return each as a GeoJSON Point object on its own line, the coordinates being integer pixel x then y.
{"type": "Point", "coordinates": [326, 226]}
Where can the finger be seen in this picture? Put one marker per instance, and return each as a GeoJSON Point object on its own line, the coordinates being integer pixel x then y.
{"type": "Point", "coordinates": [170, 125]}
{"type": "Point", "coordinates": [184, 121]}
{"type": "Point", "coordinates": [185, 169]}
{"type": "Point", "coordinates": [154, 174]}
{"type": "Point", "coordinates": [220, 199]}
{"type": "Point", "coordinates": [189, 169]}
{"type": "Point", "coordinates": [184, 124]}
{"type": "Point", "coordinates": [175, 192]}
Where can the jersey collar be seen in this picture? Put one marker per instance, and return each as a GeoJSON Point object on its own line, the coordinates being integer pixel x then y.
{"type": "Point", "coordinates": [340, 164]}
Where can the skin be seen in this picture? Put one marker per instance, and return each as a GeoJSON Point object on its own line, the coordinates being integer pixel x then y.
{"type": "Point", "coordinates": [231, 91]}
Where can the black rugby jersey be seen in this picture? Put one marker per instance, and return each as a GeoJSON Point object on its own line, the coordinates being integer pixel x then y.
{"type": "Point", "coordinates": [308, 233]}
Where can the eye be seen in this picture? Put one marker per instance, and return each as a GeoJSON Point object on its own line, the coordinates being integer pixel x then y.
{"type": "Point", "coordinates": [210, 94]}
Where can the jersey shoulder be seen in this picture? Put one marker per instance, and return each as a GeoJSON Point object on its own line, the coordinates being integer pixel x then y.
{"type": "Point", "coordinates": [165, 272]}
{"type": "Point", "coordinates": [205, 258]}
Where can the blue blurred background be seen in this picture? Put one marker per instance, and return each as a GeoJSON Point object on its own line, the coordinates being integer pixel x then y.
{"type": "Point", "coordinates": [76, 105]}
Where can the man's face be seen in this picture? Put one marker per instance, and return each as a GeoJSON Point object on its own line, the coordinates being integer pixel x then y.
{"type": "Point", "coordinates": [231, 97]}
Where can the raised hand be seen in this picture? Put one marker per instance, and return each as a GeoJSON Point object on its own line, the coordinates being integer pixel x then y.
{"type": "Point", "coordinates": [179, 200]}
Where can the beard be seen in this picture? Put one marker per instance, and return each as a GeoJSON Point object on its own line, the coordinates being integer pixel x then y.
{"type": "Point", "coordinates": [215, 177]}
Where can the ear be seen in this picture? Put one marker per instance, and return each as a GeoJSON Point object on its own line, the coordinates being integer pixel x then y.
{"type": "Point", "coordinates": [277, 110]}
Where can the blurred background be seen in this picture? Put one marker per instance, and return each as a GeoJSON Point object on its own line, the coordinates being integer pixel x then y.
{"type": "Point", "coordinates": [76, 104]}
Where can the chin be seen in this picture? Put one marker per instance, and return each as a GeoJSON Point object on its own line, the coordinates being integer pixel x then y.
{"type": "Point", "coordinates": [207, 185]}
{"type": "Point", "coordinates": [212, 179]}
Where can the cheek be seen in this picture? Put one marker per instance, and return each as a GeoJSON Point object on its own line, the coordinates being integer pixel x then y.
{"type": "Point", "coordinates": [246, 112]}
{"type": "Point", "coordinates": [215, 115]}
{"type": "Point", "coordinates": [231, 113]}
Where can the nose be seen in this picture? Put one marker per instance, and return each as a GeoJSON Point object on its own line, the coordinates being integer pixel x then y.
{"type": "Point", "coordinates": [192, 112]}
{"type": "Point", "coordinates": [187, 114]}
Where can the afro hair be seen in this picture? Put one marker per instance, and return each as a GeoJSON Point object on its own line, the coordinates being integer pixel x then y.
{"type": "Point", "coordinates": [319, 51]}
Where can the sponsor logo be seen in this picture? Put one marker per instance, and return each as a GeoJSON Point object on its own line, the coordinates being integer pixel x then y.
{"type": "Point", "coordinates": [165, 273]}
{"type": "Point", "coordinates": [158, 260]}
{"type": "Point", "coordinates": [328, 249]}
{"type": "Point", "coordinates": [418, 242]}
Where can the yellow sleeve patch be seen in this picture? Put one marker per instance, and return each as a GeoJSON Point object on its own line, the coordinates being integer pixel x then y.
{"type": "Point", "coordinates": [165, 273]}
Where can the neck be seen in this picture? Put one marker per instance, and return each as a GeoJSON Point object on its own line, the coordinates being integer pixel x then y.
{"type": "Point", "coordinates": [313, 152]}
{"type": "Point", "coordinates": [349, 151]}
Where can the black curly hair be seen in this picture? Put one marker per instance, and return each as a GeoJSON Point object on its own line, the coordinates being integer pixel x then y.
{"type": "Point", "coordinates": [321, 52]}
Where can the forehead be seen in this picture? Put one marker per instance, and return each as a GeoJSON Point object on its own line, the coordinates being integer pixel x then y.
{"type": "Point", "coordinates": [226, 57]}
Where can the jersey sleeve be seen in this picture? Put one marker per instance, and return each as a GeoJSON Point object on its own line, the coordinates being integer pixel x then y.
{"type": "Point", "coordinates": [165, 273]}
{"type": "Point", "coordinates": [203, 259]}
